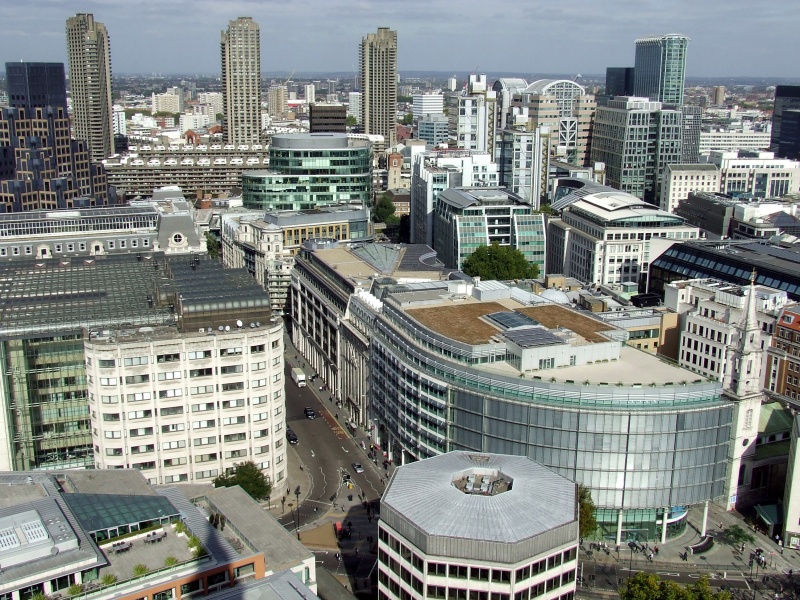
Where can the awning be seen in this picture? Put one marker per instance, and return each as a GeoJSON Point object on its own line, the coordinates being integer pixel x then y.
{"type": "Point", "coordinates": [771, 514]}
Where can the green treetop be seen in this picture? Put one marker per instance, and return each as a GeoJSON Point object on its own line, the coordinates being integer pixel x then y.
{"type": "Point", "coordinates": [499, 262]}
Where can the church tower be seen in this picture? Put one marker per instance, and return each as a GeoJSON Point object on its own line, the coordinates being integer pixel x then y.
{"type": "Point", "coordinates": [743, 384]}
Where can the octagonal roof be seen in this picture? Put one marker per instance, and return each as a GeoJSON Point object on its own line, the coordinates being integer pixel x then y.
{"type": "Point", "coordinates": [427, 494]}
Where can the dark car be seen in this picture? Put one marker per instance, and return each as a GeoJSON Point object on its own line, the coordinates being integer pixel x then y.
{"type": "Point", "coordinates": [291, 436]}
{"type": "Point", "coordinates": [309, 413]}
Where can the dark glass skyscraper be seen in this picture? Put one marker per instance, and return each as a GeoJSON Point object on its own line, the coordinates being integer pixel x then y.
{"type": "Point", "coordinates": [661, 68]}
{"type": "Point", "coordinates": [787, 97]}
{"type": "Point", "coordinates": [36, 84]}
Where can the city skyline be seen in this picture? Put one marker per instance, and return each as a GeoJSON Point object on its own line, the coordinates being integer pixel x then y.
{"type": "Point", "coordinates": [179, 36]}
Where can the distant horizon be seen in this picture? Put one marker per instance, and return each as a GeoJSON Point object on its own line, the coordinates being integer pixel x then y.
{"type": "Point", "coordinates": [323, 36]}
{"type": "Point", "coordinates": [735, 79]}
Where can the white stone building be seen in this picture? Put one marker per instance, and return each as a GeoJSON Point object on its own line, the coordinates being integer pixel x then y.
{"type": "Point", "coordinates": [477, 116]}
{"type": "Point", "coordinates": [604, 235]}
{"type": "Point", "coordinates": [188, 407]}
{"type": "Point", "coordinates": [427, 104]}
{"type": "Point", "coordinates": [710, 311]}
{"type": "Point", "coordinates": [679, 180]}
{"type": "Point", "coordinates": [756, 173]}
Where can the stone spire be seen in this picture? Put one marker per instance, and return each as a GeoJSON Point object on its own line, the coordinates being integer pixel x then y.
{"type": "Point", "coordinates": [745, 357]}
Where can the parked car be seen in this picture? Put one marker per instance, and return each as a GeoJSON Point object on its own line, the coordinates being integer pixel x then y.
{"type": "Point", "coordinates": [291, 436]}
{"type": "Point", "coordinates": [358, 468]}
{"type": "Point", "coordinates": [309, 413]}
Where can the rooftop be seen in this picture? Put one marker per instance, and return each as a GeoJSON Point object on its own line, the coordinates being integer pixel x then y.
{"type": "Point", "coordinates": [428, 494]}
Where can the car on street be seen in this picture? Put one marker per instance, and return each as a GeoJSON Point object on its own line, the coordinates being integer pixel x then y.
{"type": "Point", "coordinates": [358, 468]}
{"type": "Point", "coordinates": [291, 436]}
{"type": "Point", "coordinates": [345, 476]}
{"type": "Point", "coordinates": [309, 413]}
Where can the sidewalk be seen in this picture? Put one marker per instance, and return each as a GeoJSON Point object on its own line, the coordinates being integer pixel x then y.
{"type": "Point", "coordinates": [722, 560]}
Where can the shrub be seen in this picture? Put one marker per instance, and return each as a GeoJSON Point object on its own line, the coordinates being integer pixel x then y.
{"type": "Point", "coordinates": [180, 527]}
{"type": "Point", "coordinates": [108, 579]}
{"type": "Point", "coordinates": [140, 569]}
{"type": "Point", "coordinates": [75, 589]}
{"type": "Point", "coordinates": [170, 561]}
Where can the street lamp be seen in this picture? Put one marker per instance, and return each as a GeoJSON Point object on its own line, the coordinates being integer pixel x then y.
{"type": "Point", "coordinates": [297, 495]}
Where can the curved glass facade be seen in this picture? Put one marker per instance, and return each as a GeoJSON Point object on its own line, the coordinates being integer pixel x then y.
{"type": "Point", "coordinates": [310, 177]}
{"type": "Point", "coordinates": [638, 448]}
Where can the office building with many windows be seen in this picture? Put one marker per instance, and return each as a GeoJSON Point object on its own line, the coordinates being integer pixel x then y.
{"type": "Point", "coordinates": [311, 170]}
{"type": "Point", "coordinates": [525, 543]}
{"type": "Point", "coordinates": [637, 138]}
{"type": "Point", "coordinates": [603, 236]}
{"type": "Point", "coordinates": [91, 356]}
{"type": "Point", "coordinates": [240, 52]}
{"type": "Point", "coordinates": [787, 97]}
{"type": "Point", "coordinates": [660, 68]}
{"type": "Point", "coordinates": [89, 54]}
{"type": "Point", "coordinates": [378, 75]}
{"type": "Point", "coordinates": [467, 218]}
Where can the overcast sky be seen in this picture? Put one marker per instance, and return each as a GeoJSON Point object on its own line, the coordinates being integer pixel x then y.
{"type": "Point", "coordinates": [728, 38]}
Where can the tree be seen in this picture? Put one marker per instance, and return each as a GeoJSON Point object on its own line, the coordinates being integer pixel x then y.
{"type": "Point", "coordinates": [351, 121]}
{"type": "Point", "coordinates": [383, 209]}
{"type": "Point", "coordinates": [408, 119]}
{"type": "Point", "coordinates": [736, 535]}
{"type": "Point", "coordinates": [213, 246]}
{"type": "Point", "coordinates": [587, 524]}
{"type": "Point", "coordinates": [649, 586]}
{"type": "Point", "coordinates": [250, 478]}
{"type": "Point", "coordinates": [499, 262]}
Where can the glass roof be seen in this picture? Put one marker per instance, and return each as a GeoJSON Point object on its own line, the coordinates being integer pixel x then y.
{"type": "Point", "coordinates": [97, 512]}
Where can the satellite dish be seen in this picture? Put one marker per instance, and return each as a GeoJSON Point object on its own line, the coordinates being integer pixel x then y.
{"type": "Point", "coordinates": [239, 324]}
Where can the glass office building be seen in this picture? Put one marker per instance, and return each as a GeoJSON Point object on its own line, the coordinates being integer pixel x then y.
{"type": "Point", "coordinates": [647, 437]}
{"type": "Point", "coordinates": [310, 170]}
{"type": "Point", "coordinates": [660, 68]}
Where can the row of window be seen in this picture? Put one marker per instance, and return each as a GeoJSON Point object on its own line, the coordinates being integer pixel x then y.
{"type": "Point", "coordinates": [130, 361]}
{"type": "Point", "coordinates": [194, 391]}
{"type": "Point", "coordinates": [81, 246]}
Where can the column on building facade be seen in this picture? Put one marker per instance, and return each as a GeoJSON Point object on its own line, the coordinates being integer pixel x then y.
{"type": "Point", "coordinates": [620, 516]}
{"type": "Point", "coordinates": [664, 525]}
{"type": "Point", "coordinates": [705, 519]}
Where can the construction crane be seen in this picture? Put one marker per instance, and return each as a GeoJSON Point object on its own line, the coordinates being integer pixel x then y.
{"type": "Point", "coordinates": [288, 79]}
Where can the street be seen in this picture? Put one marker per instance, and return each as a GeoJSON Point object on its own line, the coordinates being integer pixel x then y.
{"type": "Point", "coordinates": [326, 452]}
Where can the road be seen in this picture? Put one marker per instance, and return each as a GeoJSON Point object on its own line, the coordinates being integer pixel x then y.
{"type": "Point", "coordinates": [325, 450]}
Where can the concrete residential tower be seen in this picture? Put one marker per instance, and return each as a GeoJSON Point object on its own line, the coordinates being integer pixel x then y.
{"type": "Point", "coordinates": [661, 68]}
{"type": "Point", "coordinates": [89, 55]}
{"type": "Point", "coordinates": [378, 59]}
{"type": "Point", "coordinates": [240, 53]}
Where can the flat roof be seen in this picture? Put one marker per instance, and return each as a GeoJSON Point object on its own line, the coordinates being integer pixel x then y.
{"type": "Point", "coordinates": [554, 316]}
{"type": "Point", "coordinates": [426, 494]}
{"type": "Point", "coordinates": [460, 322]}
{"type": "Point", "coordinates": [261, 529]}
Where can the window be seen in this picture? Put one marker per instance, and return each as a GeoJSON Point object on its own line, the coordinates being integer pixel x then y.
{"type": "Point", "coordinates": [143, 449]}
{"type": "Point", "coordinates": [141, 432]}
{"type": "Point", "coordinates": [139, 414]}
{"type": "Point", "coordinates": [172, 410]}
{"type": "Point", "coordinates": [109, 399]}
{"type": "Point", "coordinates": [108, 381]}
{"type": "Point", "coordinates": [113, 451]}
{"type": "Point", "coordinates": [173, 445]}
{"type": "Point", "coordinates": [260, 417]}
{"type": "Point", "coordinates": [111, 417]}
{"type": "Point", "coordinates": [206, 475]}
{"type": "Point", "coordinates": [231, 369]}
{"type": "Point", "coordinates": [199, 354]}
{"type": "Point", "coordinates": [173, 427]}
{"type": "Point", "coordinates": [203, 407]}
{"type": "Point", "coordinates": [259, 366]}
{"type": "Point", "coordinates": [175, 479]}
{"type": "Point", "coordinates": [174, 462]}
{"type": "Point", "coordinates": [208, 372]}
{"type": "Point", "coordinates": [138, 397]}
{"type": "Point", "coordinates": [202, 389]}
{"type": "Point", "coordinates": [230, 387]}
{"type": "Point", "coordinates": [230, 351]}
{"type": "Point", "coordinates": [112, 435]}
{"type": "Point", "coordinates": [204, 424]}
{"type": "Point", "coordinates": [234, 420]}
{"type": "Point", "coordinates": [107, 363]}
{"type": "Point", "coordinates": [257, 349]}
{"type": "Point", "coordinates": [258, 383]}
{"type": "Point", "coordinates": [235, 437]}
{"type": "Point", "coordinates": [259, 400]}
{"type": "Point", "coordinates": [135, 379]}
{"type": "Point", "coordinates": [233, 403]}
{"type": "Point", "coordinates": [133, 361]}
{"type": "Point", "coordinates": [176, 393]}
{"type": "Point", "coordinates": [204, 441]}
{"type": "Point", "coordinates": [169, 375]}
